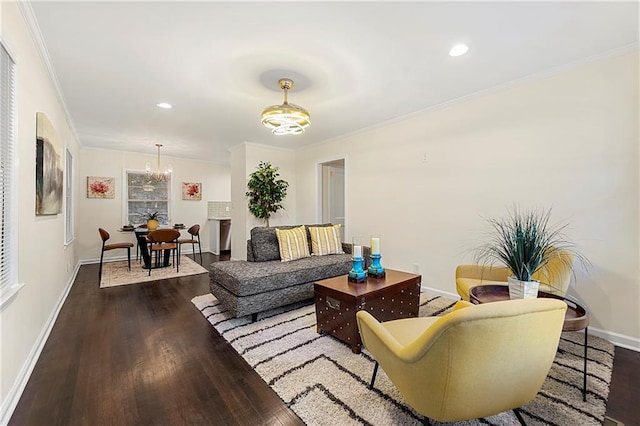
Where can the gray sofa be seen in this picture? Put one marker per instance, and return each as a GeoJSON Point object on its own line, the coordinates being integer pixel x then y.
{"type": "Point", "coordinates": [264, 282]}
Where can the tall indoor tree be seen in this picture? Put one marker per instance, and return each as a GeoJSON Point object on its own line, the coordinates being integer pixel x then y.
{"type": "Point", "coordinates": [266, 191]}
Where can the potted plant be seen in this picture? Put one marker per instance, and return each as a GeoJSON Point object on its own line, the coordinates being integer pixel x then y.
{"type": "Point", "coordinates": [266, 191]}
{"type": "Point", "coordinates": [525, 242]}
{"type": "Point", "coordinates": [152, 220]}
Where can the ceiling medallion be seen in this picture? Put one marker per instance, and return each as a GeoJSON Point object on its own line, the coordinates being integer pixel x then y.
{"type": "Point", "coordinates": [286, 119]}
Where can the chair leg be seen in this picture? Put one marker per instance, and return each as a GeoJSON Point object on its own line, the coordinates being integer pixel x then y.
{"type": "Point", "coordinates": [200, 250]}
{"type": "Point", "coordinates": [129, 257]}
{"type": "Point", "coordinates": [516, 411]}
{"type": "Point", "coordinates": [151, 261]}
{"type": "Point", "coordinates": [100, 270]}
{"type": "Point", "coordinates": [373, 377]}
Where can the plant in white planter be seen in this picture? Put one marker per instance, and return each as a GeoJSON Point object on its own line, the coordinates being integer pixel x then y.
{"type": "Point", "coordinates": [525, 242]}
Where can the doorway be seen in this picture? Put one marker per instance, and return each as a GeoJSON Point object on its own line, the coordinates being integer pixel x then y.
{"type": "Point", "coordinates": [333, 193]}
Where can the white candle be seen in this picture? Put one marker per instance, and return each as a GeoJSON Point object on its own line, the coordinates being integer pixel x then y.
{"type": "Point", "coordinates": [357, 251]}
{"type": "Point", "coordinates": [375, 245]}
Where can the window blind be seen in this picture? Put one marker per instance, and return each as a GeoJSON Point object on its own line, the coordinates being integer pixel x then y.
{"type": "Point", "coordinates": [7, 170]}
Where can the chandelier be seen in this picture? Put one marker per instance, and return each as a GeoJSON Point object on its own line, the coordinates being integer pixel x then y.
{"type": "Point", "coordinates": [286, 119]}
{"type": "Point", "coordinates": [158, 175]}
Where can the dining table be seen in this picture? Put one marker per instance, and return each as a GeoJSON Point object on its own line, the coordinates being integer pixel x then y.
{"type": "Point", "coordinates": [143, 248]}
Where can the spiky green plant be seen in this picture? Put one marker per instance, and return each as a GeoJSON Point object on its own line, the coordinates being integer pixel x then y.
{"type": "Point", "coordinates": [525, 241]}
{"type": "Point", "coordinates": [266, 191]}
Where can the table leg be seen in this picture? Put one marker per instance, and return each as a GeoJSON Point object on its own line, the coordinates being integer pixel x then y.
{"type": "Point", "coordinates": [144, 251]}
{"type": "Point", "coordinates": [584, 379]}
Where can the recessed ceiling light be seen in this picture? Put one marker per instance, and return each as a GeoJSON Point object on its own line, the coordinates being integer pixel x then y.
{"type": "Point", "coordinates": [459, 50]}
{"type": "Point", "coordinates": [164, 105]}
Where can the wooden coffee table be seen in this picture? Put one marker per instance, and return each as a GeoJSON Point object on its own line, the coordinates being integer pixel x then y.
{"type": "Point", "coordinates": [337, 301]}
{"type": "Point", "coordinates": [575, 319]}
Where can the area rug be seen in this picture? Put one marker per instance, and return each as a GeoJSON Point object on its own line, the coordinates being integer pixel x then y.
{"type": "Point", "coordinates": [324, 383]}
{"type": "Point", "coordinates": [117, 273]}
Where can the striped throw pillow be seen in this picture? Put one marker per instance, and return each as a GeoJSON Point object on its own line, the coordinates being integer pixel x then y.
{"type": "Point", "coordinates": [325, 240]}
{"type": "Point", "coordinates": [293, 243]}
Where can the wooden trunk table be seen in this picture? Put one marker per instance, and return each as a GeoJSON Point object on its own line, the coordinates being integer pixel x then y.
{"type": "Point", "coordinates": [338, 300]}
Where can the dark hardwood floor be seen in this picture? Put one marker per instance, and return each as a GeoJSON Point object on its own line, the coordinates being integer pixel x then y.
{"type": "Point", "coordinates": [143, 355]}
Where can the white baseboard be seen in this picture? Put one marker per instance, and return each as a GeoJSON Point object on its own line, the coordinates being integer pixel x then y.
{"type": "Point", "coordinates": [133, 258]}
{"type": "Point", "coordinates": [617, 339]}
{"type": "Point", "coordinates": [14, 394]}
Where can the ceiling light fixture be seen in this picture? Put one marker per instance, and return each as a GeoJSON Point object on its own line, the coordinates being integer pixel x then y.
{"type": "Point", "coordinates": [158, 174]}
{"type": "Point", "coordinates": [459, 50]}
{"type": "Point", "coordinates": [164, 105]}
{"type": "Point", "coordinates": [286, 119]}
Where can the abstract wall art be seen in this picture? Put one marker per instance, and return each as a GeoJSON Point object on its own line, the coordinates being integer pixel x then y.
{"type": "Point", "coordinates": [192, 191]}
{"type": "Point", "coordinates": [100, 187]}
{"type": "Point", "coordinates": [49, 180]}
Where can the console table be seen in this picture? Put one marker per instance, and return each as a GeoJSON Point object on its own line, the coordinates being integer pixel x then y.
{"type": "Point", "coordinates": [576, 317]}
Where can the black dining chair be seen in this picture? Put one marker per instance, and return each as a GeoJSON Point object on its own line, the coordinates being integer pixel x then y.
{"type": "Point", "coordinates": [194, 231]}
{"type": "Point", "coordinates": [106, 247]}
{"type": "Point", "coordinates": [161, 240]}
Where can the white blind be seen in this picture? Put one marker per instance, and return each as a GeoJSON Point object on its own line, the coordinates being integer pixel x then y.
{"type": "Point", "coordinates": [7, 169]}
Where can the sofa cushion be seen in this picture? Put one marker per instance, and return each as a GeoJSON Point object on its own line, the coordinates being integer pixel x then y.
{"type": "Point", "coordinates": [246, 278]}
{"type": "Point", "coordinates": [325, 240]}
{"type": "Point", "coordinates": [264, 243]}
{"type": "Point", "coordinates": [293, 243]}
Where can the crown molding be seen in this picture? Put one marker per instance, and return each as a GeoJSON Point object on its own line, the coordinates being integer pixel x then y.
{"type": "Point", "coordinates": [36, 34]}
{"type": "Point", "coordinates": [619, 51]}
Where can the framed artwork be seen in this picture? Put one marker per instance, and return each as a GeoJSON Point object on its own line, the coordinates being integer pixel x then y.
{"type": "Point", "coordinates": [192, 191]}
{"type": "Point", "coordinates": [100, 187]}
{"type": "Point", "coordinates": [49, 180]}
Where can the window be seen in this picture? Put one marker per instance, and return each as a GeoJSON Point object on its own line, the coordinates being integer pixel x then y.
{"type": "Point", "coordinates": [68, 190]}
{"type": "Point", "coordinates": [145, 195]}
{"type": "Point", "coordinates": [8, 194]}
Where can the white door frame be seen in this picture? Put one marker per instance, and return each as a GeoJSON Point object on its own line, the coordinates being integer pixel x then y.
{"type": "Point", "coordinates": [319, 165]}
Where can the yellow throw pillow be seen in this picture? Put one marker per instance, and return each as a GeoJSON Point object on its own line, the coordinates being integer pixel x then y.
{"type": "Point", "coordinates": [293, 243]}
{"type": "Point", "coordinates": [325, 240]}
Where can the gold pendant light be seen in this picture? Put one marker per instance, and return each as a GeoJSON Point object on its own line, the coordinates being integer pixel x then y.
{"type": "Point", "coordinates": [286, 119]}
{"type": "Point", "coordinates": [156, 175]}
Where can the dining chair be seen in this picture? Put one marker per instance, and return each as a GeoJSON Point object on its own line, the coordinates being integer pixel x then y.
{"type": "Point", "coordinates": [106, 247]}
{"type": "Point", "coordinates": [161, 240]}
{"type": "Point", "coordinates": [194, 231]}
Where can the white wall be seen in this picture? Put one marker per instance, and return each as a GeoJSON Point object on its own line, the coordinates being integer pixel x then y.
{"type": "Point", "coordinates": [569, 142]}
{"type": "Point", "coordinates": [244, 161]}
{"type": "Point", "coordinates": [108, 213]}
{"type": "Point", "coordinates": [42, 255]}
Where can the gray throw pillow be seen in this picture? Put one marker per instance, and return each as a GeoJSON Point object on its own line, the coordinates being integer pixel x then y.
{"type": "Point", "coordinates": [265, 244]}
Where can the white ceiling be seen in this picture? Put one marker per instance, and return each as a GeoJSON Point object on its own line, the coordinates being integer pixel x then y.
{"type": "Point", "coordinates": [354, 64]}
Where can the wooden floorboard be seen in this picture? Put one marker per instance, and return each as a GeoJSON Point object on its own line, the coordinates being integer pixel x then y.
{"type": "Point", "coordinates": [142, 354]}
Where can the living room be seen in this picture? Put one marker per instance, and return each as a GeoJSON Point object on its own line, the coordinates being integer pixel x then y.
{"type": "Point", "coordinates": [564, 138]}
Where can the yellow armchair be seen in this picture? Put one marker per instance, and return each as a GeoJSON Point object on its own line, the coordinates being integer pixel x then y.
{"type": "Point", "coordinates": [554, 277]}
{"type": "Point", "coordinates": [476, 361]}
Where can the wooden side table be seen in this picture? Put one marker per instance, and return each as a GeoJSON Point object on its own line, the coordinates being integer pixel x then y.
{"type": "Point", "coordinates": [337, 301]}
{"type": "Point", "coordinates": [576, 317]}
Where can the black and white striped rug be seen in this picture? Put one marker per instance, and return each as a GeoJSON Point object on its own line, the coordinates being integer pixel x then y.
{"type": "Point", "coordinates": [324, 383]}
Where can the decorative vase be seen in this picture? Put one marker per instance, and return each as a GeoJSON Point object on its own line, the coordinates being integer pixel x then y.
{"type": "Point", "coordinates": [152, 224]}
{"type": "Point", "coordinates": [522, 289]}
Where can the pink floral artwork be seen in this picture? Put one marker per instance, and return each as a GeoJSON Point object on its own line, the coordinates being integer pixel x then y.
{"type": "Point", "coordinates": [192, 191]}
{"type": "Point", "coordinates": [100, 187]}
